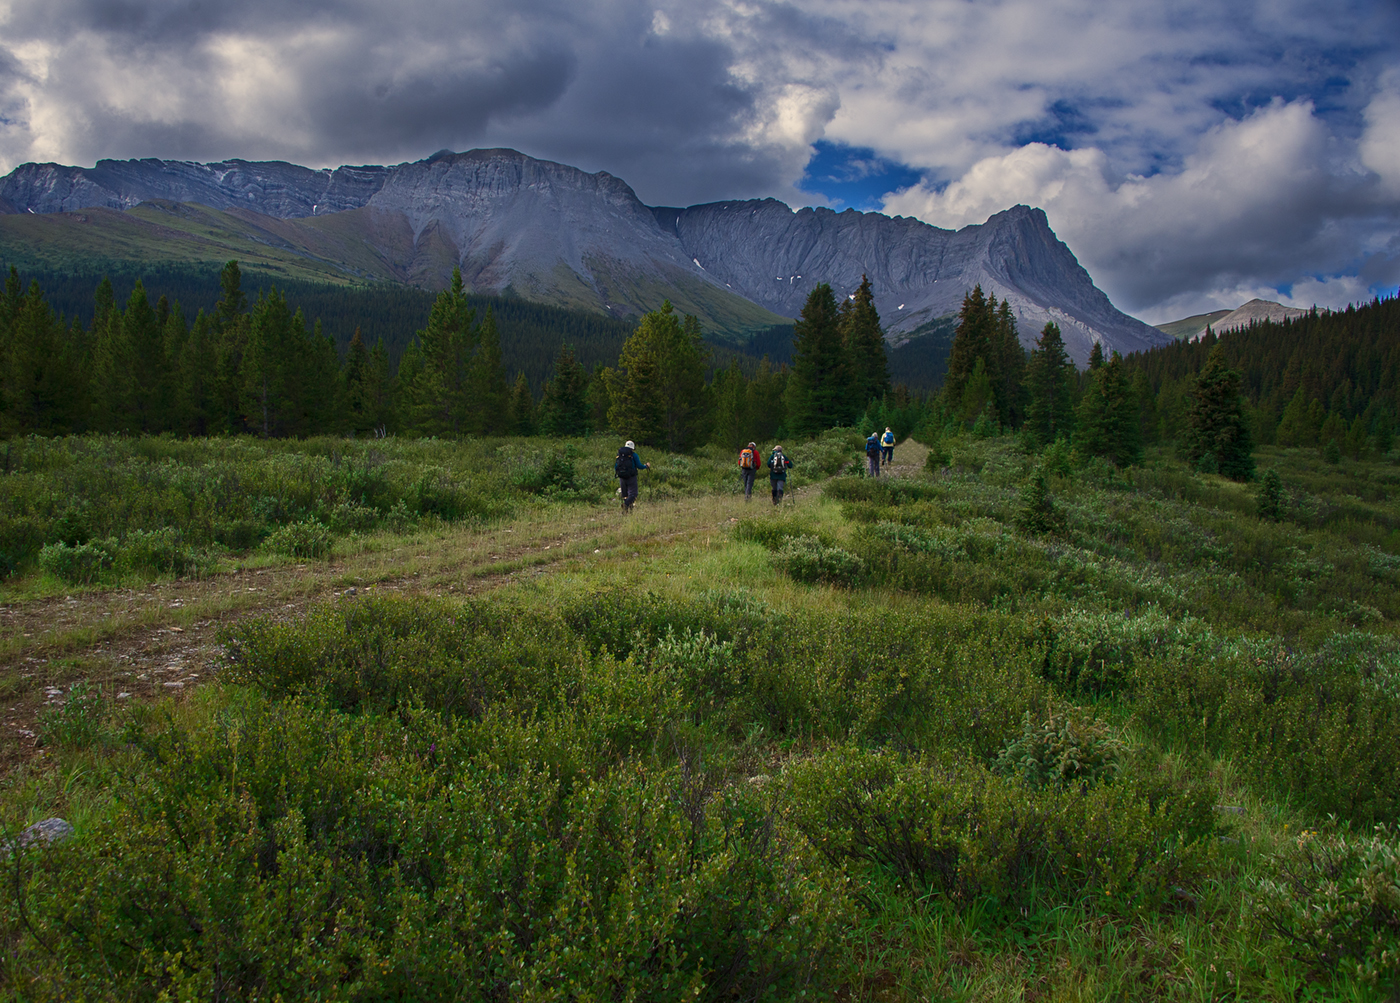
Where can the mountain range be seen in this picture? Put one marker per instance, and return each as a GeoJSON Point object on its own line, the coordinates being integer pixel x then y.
{"type": "Point", "coordinates": [552, 233]}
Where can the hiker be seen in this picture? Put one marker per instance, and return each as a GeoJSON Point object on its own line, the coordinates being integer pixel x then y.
{"type": "Point", "coordinates": [778, 465]}
{"type": "Point", "coordinates": [748, 467]}
{"type": "Point", "coordinates": [887, 446]}
{"type": "Point", "coordinates": [626, 466]}
{"type": "Point", "coordinates": [872, 455]}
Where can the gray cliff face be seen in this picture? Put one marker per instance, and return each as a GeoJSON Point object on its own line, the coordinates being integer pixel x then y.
{"type": "Point", "coordinates": [273, 188]}
{"type": "Point", "coordinates": [514, 219]}
{"type": "Point", "coordinates": [774, 256]}
{"type": "Point", "coordinates": [553, 232]}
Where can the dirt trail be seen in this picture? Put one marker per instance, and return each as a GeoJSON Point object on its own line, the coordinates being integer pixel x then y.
{"type": "Point", "coordinates": [160, 640]}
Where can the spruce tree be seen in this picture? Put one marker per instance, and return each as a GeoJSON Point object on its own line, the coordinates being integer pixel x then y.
{"type": "Point", "coordinates": [435, 393]}
{"type": "Point", "coordinates": [1108, 422]}
{"type": "Point", "coordinates": [1216, 425]}
{"type": "Point", "coordinates": [39, 374]}
{"type": "Point", "coordinates": [971, 341]}
{"type": "Point", "coordinates": [358, 405]}
{"type": "Point", "coordinates": [657, 395]}
{"type": "Point", "coordinates": [1008, 365]}
{"type": "Point", "coordinates": [522, 407]}
{"type": "Point", "coordinates": [490, 394]}
{"type": "Point", "coordinates": [564, 407]}
{"type": "Point", "coordinates": [819, 387]}
{"type": "Point", "coordinates": [864, 341]}
{"type": "Point", "coordinates": [1050, 378]}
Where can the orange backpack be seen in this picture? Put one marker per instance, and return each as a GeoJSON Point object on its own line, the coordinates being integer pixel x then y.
{"type": "Point", "coordinates": [748, 460]}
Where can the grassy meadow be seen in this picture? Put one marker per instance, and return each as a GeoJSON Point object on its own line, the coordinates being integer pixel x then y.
{"type": "Point", "coordinates": [421, 720]}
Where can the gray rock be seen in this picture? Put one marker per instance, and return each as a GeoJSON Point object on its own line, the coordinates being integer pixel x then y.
{"type": "Point", "coordinates": [50, 830]}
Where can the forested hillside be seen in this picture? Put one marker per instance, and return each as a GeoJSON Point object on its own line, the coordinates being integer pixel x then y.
{"type": "Point", "coordinates": [1312, 380]}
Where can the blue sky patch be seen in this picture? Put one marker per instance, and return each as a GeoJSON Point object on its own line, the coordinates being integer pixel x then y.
{"type": "Point", "coordinates": [854, 177]}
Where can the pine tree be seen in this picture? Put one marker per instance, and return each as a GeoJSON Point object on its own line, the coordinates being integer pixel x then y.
{"type": "Point", "coordinates": [1108, 421]}
{"type": "Point", "coordinates": [864, 341]}
{"type": "Point", "coordinates": [522, 407]}
{"type": "Point", "coordinates": [1216, 425]}
{"type": "Point", "coordinates": [490, 394]}
{"type": "Point", "coordinates": [1050, 378]}
{"type": "Point", "coordinates": [39, 375]}
{"type": "Point", "coordinates": [818, 391]}
{"type": "Point", "coordinates": [195, 405]}
{"type": "Point", "coordinates": [971, 341]}
{"type": "Point", "coordinates": [436, 394]}
{"type": "Point", "coordinates": [1009, 368]}
{"type": "Point", "coordinates": [564, 407]}
{"type": "Point", "coordinates": [657, 395]}
{"type": "Point", "coordinates": [357, 390]}
{"type": "Point", "coordinates": [230, 330]}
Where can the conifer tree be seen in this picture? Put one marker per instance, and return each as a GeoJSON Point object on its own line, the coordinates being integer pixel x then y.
{"type": "Point", "coordinates": [1108, 421]}
{"type": "Point", "coordinates": [658, 392]}
{"type": "Point", "coordinates": [1008, 368]}
{"type": "Point", "coordinates": [1050, 378]}
{"type": "Point", "coordinates": [864, 341]}
{"type": "Point", "coordinates": [39, 375]}
{"type": "Point", "coordinates": [195, 405]}
{"type": "Point", "coordinates": [490, 394]}
{"type": "Point", "coordinates": [599, 396]}
{"type": "Point", "coordinates": [272, 366]}
{"type": "Point", "coordinates": [818, 391]}
{"type": "Point", "coordinates": [230, 329]}
{"type": "Point", "coordinates": [1294, 428]}
{"type": "Point", "coordinates": [564, 407]}
{"type": "Point", "coordinates": [359, 406]}
{"type": "Point", "coordinates": [1216, 425]}
{"type": "Point", "coordinates": [435, 391]}
{"type": "Point", "coordinates": [522, 407]}
{"type": "Point", "coordinates": [971, 342]}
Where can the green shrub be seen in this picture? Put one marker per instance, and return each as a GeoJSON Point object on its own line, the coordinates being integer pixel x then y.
{"type": "Point", "coordinates": [78, 721]}
{"type": "Point", "coordinates": [1334, 898]}
{"type": "Point", "coordinates": [1318, 729]}
{"type": "Point", "coordinates": [807, 559]}
{"type": "Point", "coordinates": [353, 516]}
{"type": "Point", "coordinates": [963, 834]}
{"type": "Point", "coordinates": [555, 474]}
{"type": "Point", "coordinates": [938, 456]}
{"type": "Point", "coordinates": [80, 565]}
{"type": "Point", "coordinates": [772, 531]}
{"type": "Point", "coordinates": [308, 539]}
{"type": "Point", "coordinates": [163, 552]}
{"type": "Point", "coordinates": [1068, 749]}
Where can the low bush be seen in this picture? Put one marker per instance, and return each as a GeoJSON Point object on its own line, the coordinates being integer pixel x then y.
{"type": "Point", "coordinates": [962, 833]}
{"type": "Point", "coordinates": [1334, 897]}
{"type": "Point", "coordinates": [308, 539]}
{"type": "Point", "coordinates": [1065, 749]}
{"type": "Point", "coordinates": [81, 564]}
{"type": "Point", "coordinates": [807, 559]}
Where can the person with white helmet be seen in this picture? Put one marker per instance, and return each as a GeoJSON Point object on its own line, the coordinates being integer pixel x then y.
{"type": "Point", "coordinates": [627, 465]}
{"type": "Point", "coordinates": [778, 465]}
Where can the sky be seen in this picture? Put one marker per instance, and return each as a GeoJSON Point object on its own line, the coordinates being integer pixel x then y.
{"type": "Point", "coordinates": [1193, 154]}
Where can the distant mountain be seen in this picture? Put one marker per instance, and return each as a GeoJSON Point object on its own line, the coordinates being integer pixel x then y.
{"type": "Point", "coordinates": [1252, 312]}
{"type": "Point", "coordinates": [1189, 327]}
{"type": "Point", "coordinates": [555, 234]}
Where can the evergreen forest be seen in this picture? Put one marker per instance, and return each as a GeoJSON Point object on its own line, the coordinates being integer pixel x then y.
{"type": "Point", "coordinates": [332, 668]}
